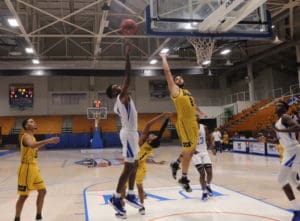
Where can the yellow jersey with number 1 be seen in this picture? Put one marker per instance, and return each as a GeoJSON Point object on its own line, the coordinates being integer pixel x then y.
{"type": "Point", "coordinates": [186, 124]}
{"type": "Point", "coordinates": [184, 104]}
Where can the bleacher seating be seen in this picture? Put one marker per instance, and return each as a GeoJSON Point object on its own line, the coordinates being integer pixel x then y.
{"type": "Point", "coordinates": [234, 122]}
{"type": "Point", "coordinates": [260, 119]}
{"type": "Point", "coordinates": [48, 124]}
{"type": "Point", "coordinates": [145, 117]}
{"type": "Point", "coordinates": [82, 125]}
{"type": "Point", "coordinates": [7, 123]}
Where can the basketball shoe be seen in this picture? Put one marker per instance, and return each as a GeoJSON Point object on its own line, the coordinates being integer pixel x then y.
{"type": "Point", "coordinates": [116, 204]}
{"type": "Point", "coordinates": [142, 211]}
{"type": "Point", "coordinates": [209, 190]}
{"type": "Point", "coordinates": [184, 182]}
{"type": "Point", "coordinates": [133, 201]}
{"type": "Point", "coordinates": [121, 216]}
{"type": "Point", "coordinates": [204, 196]}
{"type": "Point", "coordinates": [296, 216]}
{"type": "Point", "coordinates": [38, 217]}
{"type": "Point", "coordinates": [174, 168]}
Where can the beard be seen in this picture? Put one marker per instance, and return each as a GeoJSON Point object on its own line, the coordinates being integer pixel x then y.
{"type": "Point", "coordinates": [180, 85]}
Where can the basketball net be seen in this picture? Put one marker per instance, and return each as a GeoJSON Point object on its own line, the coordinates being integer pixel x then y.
{"type": "Point", "coordinates": [204, 48]}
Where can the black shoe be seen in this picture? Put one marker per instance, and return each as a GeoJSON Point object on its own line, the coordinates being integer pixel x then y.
{"type": "Point", "coordinates": [121, 216]}
{"type": "Point", "coordinates": [184, 182]}
{"type": "Point", "coordinates": [142, 211]}
{"type": "Point", "coordinates": [38, 217]}
{"type": "Point", "coordinates": [174, 168]}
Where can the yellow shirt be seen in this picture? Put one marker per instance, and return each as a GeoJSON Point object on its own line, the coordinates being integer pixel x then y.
{"type": "Point", "coordinates": [225, 139]}
{"type": "Point", "coordinates": [28, 154]}
{"type": "Point", "coordinates": [145, 151]}
{"type": "Point", "coordinates": [185, 105]}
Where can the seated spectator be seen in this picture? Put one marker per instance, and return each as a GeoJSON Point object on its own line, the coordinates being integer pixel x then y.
{"type": "Point", "coordinates": [225, 141]}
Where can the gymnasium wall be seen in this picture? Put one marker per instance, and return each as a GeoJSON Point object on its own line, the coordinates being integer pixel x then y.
{"type": "Point", "coordinates": [40, 95]}
{"type": "Point", "coordinates": [264, 84]}
{"type": "Point", "coordinates": [284, 78]}
{"type": "Point", "coordinates": [206, 91]}
{"type": "Point", "coordinates": [45, 86]}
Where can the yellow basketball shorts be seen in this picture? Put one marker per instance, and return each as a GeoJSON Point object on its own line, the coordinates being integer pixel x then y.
{"type": "Point", "coordinates": [141, 173]}
{"type": "Point", "coordinates": [187, 131]}
{"type": "Point", "coordinates": [29, 178]}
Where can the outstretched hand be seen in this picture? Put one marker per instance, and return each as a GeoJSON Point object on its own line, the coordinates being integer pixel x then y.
{"type": "Point", "coordinates": [163, 55]}
{"type": "Point", "coordinates": [54, 140]}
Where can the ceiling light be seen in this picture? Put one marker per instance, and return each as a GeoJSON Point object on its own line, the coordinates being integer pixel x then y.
{"type": "Point", "coordinates": [35, 61]}
{"type": "Point", "coordinates": [38, 73]}
{"type": "Point", "coordinates": [148, 73]}
{"type": "Point", "coordinates": [206, 62]}
{"type": "Point", "coordinates": [12, 22]}
{"type": "Point", "coordinates": [29, 50]}
{"type": "Point", "coordinates": [153, 61]}
{"type": "Point", "coordinates": [164, 51]}
{"type": "Point", "coordinates": [225, 51]}
{"type": "Point", "coordinates": [15, 53]}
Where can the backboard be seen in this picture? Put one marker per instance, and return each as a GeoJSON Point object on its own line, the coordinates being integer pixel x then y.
{"type": "Point", "coordinates": [96, 113]}
{"type": "Point", "coordinates": [237, 19]}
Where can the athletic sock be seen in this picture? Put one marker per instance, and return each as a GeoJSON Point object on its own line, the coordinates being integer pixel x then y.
{"type": "Point", "coordinates": [184, 175]}
{"type": "Point", "coordinates": [131, 192]}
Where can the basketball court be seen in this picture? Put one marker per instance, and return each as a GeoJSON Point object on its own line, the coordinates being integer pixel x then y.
{"type": "Point", "coordinates": [51, 43]}
{"type": "Point", "coordinates": [172, 203]}
{"type": "Point", "coordinates": [244, 186]}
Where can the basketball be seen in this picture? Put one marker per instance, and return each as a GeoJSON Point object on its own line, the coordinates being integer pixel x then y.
{"type": "Point", "coordinates": [128, 27]}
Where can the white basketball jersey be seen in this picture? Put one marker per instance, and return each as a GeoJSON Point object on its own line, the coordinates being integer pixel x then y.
{"type": "Point", "coordinates": [287, 140]}
{"type": "Point", "coordinates": [201, 145]}
{"type": "Point", "coordinates": [127, 114]}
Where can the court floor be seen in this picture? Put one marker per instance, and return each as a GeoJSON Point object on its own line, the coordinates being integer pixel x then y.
{"type": "Point", "coordinates": [244, 185]}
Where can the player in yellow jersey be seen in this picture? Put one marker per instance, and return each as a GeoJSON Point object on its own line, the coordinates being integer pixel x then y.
{"type": "Point", "coordinates": [29, 177]}
{"type": "Point", "coordinates": [147, 142]}
{"type": "Point", "coordinates": [186, 125]}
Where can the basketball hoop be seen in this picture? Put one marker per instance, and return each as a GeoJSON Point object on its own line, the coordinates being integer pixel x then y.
{"type": "Point", "coordinates": [204, 48]}
{"type": "Point", "coordinates": [97, 114]}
